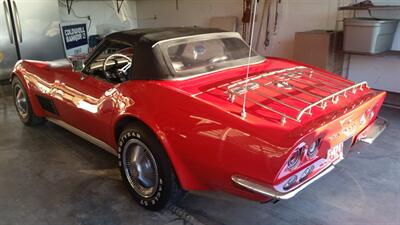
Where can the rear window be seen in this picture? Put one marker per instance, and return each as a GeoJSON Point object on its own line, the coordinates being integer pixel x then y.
{"type": "Point", "coordinates": [194, 56]}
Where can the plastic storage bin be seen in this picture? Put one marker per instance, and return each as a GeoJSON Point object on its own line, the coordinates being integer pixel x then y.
{"type": "Point", "coordinates": [368, 35]}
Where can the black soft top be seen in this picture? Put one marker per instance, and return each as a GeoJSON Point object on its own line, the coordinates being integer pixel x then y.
{"type": "Point", "coordinates": [154, 35]}
{"type": "Point", "coordinates": [148, 62]}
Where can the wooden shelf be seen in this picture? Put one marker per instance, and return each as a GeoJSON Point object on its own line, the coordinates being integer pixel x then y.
{"type": "Point", "coordinates": [377, 7]}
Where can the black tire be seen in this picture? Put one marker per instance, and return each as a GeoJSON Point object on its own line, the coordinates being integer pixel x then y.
{"type": "Point", "coordinates": [27, 116]}
{"type": "Point", "coordinates": [164, 188]}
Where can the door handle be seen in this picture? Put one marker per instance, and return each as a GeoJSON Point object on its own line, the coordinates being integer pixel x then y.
{"type": "Point", "coordinates": [17, 22]}
{"type": "Point", "coordinates": [7, 14]}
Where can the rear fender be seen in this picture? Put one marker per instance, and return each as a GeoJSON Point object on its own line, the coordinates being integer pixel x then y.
{"type": "Point", "coordinates": [186, 179]}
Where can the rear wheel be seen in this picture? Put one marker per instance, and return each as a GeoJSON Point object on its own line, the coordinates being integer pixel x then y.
{"type": "Point", "coordinates": [146, 169]}
{"type": "Point", "coordinates": [23, 104]}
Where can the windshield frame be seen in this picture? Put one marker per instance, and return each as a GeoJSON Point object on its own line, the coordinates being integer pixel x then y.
{"type": "Point", "coordinates": [162, 47]}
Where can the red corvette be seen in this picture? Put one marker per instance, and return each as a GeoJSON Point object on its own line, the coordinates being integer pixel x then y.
{"type": "Point", "coordinates": [176, 108]}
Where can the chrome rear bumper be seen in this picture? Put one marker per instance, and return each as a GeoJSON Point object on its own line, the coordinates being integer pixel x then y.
{"type": "Point", "coordinates": [373, 131]}
{"type": "Point", "coordinates": [270, 192]}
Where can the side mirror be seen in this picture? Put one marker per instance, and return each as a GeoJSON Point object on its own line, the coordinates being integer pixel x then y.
{"type": "Point", "coordinates": [77, 63]}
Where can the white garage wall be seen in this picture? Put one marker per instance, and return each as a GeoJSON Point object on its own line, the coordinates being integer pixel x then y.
{"type": "Point", "coordinates": [381, 72]}
{"type": "Point", "coordinates": [296, 16]}
{"type": "Point", "coordinates": [189, 13]}
{"type": "Point", "coordinates": [105, 18]}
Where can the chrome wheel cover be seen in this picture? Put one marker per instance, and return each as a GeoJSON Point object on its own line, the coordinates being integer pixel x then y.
{"type": "Point", "coordinates": [21, 101]}
{"type": "Point", "coordinates": [140, 168]}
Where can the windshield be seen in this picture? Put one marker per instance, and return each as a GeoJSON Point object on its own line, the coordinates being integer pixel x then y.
{"type": "Point", "coordinates": [194, 56]}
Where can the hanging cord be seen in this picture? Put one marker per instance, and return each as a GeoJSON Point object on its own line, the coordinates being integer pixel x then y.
{"type": "Point", "coordinates": [267, 40]}
{"type": "Point", "coordinates": [243, 113]}
{"type": "Point", "coordinates": [88, 17]}
{"type": "Point", "coordinates": [246, 16]}
{"type": "Point", "coordinates": [266, 3]}
{"type": "Point", "coordinates": [278, 2]}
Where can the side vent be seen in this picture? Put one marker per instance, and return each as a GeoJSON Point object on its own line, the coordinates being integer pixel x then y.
{"type": "Point", "coordinates": [47, 104]}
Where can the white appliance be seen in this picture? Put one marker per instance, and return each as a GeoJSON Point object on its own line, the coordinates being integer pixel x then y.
{"type": "Point", "coordinates": [29, 30]}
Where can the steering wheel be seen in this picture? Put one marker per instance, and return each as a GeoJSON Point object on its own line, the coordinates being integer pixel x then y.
{"type": "Point", "coordinates": [121, 73]}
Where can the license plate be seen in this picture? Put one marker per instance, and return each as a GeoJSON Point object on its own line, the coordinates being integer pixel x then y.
{"type": "Point", "coordinates": [335, 154]}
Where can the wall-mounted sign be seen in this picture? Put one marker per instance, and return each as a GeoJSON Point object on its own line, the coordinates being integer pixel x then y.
{"type": "Point", "coordinates": [75, 38]}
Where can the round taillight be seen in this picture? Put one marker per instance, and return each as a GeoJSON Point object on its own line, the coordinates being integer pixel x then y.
{"type": "Point", "coordinates": [290, 183]}
{"type": "Point", "coordinates": [313, 149]}
{"type": "Point", "coordinates": [306, 172]}
{"type": "Point", "coordinates": [294, 158]}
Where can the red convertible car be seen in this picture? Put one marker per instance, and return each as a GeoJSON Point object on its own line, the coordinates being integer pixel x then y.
{"type": "Point", "coordinates": [194, 109]}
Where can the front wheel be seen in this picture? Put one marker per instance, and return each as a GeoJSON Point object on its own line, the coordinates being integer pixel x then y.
{"type": "Point", "coordinates": [146, 169]}
{"type": "Point", "coordinates": [23, 104]}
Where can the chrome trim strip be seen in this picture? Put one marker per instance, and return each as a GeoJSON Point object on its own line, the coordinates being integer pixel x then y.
{"type": "Point", "coordinates": [269, 192]}
{"type": "Point", "coordinates": [236, 34]}
{"type": "Point", "coordinates": [374, 130]}
{"type": "Point", "coordinates": [83, 135]}
{"type": "Point", "coordinates": [215, 71]}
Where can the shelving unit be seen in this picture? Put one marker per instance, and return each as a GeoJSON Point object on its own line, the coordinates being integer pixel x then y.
{"type": "Point", "coordinates": [378, 7]}
{"type": "Point", "coordinates": [353, 9]}
{"type": "Point", "coordinates": [392, 98]}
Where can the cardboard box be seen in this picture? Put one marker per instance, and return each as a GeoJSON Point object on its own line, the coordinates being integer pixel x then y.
{"type": "Point", "coordinates": [318, 48]}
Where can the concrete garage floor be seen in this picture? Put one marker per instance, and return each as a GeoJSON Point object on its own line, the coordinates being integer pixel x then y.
{"type": "Point", "coordinates": [50, 176]}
